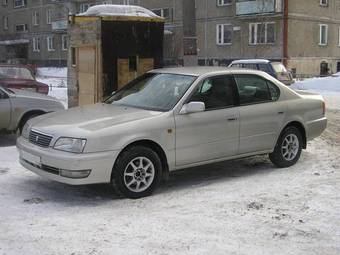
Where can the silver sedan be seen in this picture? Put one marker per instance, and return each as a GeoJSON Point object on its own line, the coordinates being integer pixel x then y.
{"type": "Point", "coordinates": [171, 119]}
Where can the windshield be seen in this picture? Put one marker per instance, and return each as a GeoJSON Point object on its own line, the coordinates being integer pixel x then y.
{"type": "Point", "coordinates": [15, 73]}
{"type": "Point", "coordinates": [153, 91]}
{"type": "Point", "coordinates": [279, 67]}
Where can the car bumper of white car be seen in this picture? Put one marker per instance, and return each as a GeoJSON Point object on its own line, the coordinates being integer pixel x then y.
{"type": "Point", "coordinates": [316, 127]}
{"type": "Point", "coordinates": [70, 168]}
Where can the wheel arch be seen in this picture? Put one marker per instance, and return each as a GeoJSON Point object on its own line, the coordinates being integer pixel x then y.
{"type": "Point", "coordinates": [156, 148]}
{"type": "Point", "coordinates": [27, 114]}
{"type": "Point", "coordinates": [301, 128]}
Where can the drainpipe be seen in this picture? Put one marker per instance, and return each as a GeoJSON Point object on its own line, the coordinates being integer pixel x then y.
{"type": "Point", "coordinates": [285, 33]}
{"type": "Point", "coordinates": [205, 33]}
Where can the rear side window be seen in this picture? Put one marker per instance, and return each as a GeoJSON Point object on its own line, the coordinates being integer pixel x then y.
{"type": "Point", "coordinates": [265, 68]}
{"type": "Point", "coordinates": [254, 89]}
{"type": "Point", "coordinates": [250, 66]}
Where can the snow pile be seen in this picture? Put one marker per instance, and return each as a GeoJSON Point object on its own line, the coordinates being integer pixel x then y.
{"type": "Point", "coordinates": [60, 72]}
{"type": "Point", "coordinates": [56, 79]}
{"type": "Point", "coordinates": [118, 10]}
{"type": "Point", "coordinates": [328, 87]}
{"type": "Point", "coordinates": [331, 83]}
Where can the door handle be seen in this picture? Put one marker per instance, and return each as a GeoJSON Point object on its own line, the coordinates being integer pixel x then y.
{"type": "Point", "coordinates": [280, 113]}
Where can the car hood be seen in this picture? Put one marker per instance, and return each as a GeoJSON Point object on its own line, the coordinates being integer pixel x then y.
{"type": "Point", "coordinates": [84, 120]}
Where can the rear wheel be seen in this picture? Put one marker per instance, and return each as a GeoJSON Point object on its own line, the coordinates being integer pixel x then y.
{"type": "Point", "coordinates": [288, 148]}
{"type": "Point", "coordinates": [136, 172]}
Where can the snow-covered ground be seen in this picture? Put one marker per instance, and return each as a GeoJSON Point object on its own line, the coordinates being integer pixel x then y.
{"type": "Point", "coordinates": [56, 78]}
{"type": "Point", "coordinates": [329, 87]}
{"type": "Point", "coordinates": [244, 206]}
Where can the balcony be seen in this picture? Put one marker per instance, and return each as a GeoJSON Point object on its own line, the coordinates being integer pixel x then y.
{"type": "Point", "coordinates": [253, 7]}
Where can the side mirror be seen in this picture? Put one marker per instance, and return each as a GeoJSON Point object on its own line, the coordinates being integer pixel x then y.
{"type": "Point", "coordinates": [192, 107]}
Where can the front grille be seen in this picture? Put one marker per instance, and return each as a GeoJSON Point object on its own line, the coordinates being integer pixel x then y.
{"type": "Point", "coordinates": [40, 139]}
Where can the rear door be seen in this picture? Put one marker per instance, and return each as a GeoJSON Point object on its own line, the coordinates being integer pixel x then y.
{"type": "Point", "coordinates": [261, 113]}
{"type": "Point", "coordinates": [5, 110]}
{"type": "Point", "coordinates": [214, 133]}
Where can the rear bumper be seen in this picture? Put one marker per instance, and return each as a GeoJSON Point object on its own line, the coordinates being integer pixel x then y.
{"type": "Point", "coordinates": [52, 161]}
{"type": "Point", "coordinates": [315, 128]}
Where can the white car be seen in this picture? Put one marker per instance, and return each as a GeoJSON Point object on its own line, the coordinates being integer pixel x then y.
{"type": "Point", "coordinates": [171, 119]}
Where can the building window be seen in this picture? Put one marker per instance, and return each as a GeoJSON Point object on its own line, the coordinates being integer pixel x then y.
{"type": "Point", "coordinates": [165, 12]}
{"type": "Point", "coordinates": [64, 42]}
{"type": "Point", "coordinates": [323, 34]}
{"type": "Point", "coordinates": [130, 2]}
{"type": "Point", "coordinates": [49, 16]}
{"type": "Point", "coordinates": [21, 28]}
{"type": "Point", "coordinates": [223, 34]}
{"type": "Point", "coordinates": [4, 2]}
{"type": "Point", "coordinates": [262, 33]}
{"type": "Point", "coordinates": [5, 23]}
{"type": "Point", "coordinates": [19, 3]}
{"type": "Point", "coordinates": [83, 7]}
{"type": "Point", "coordinates": [36, 44]}
{"type": "Point", "coordinates": [107, 2]}
{"type": "Point", "coordinates": [324, 2]}
{"type": "Point", "coordinates": [50, 43]}
{"type": "Point", "coordinates": [73, 56]}
{"type": "Point", "coordinates": [223, 2]}
{"type": "Point", "coordinates": [339, 36]}
{"type": "Point", "coordinates": [35, 18]}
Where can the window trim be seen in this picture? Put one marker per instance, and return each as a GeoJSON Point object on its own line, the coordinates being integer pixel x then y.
{"type": "Point", "coordinates": [35, 18]}
{"type": "Point", "coordinates": [256, 41]}
{"type": "Point", "coordinates": [23, 31]}
{"type": "Point", "coordinates": [324, 4]}
{"type": "Point", "coordinates": [5, 18]}
{"type": "Point", "coordinates": [339, 36]}
{"type": "Point", "coordinates": [49, 16]}
{"type": "Point", "coordinates": [63, 38]}
{"type": "Point", "coordinates": [320, 35]}
{"type": "Point", "coordinates": [220, 3]}
{"type": "Point", "coordinates": [35, 43]}
{"type": "Point", "coordinates": [48, 45]}
{"type": "Point", "coordinates": [222, 34]}
{"type": "Point", "coordinates": [19, 6]}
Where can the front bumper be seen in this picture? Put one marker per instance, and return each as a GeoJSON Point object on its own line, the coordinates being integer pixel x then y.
{"type": "Point", "coordinates": [52, 161]}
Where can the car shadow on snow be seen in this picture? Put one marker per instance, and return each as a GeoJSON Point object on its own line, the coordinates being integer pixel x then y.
{"type": "Point", "coordinates": [43, 190]}
{"type": "Point", "coordinates": [7, 140]}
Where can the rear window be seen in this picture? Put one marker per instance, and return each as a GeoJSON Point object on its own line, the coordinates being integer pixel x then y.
{"type": "Point", "coordinates": [279, 67]}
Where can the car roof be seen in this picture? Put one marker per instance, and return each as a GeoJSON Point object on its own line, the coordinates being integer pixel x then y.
{"type": "Point", "coordinates": [14, 65]}
{"type": "Point", "coordinates": [206, 70]}
{"type": "Point", "coordinates": [251, 61]}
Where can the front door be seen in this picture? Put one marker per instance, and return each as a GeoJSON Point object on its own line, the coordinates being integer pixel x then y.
{"type": "Point", "coordinates": [211, 134]}
{"type": "Point", "coordinates": [5, 110]}
{"type": "Point", "coordinates": [261, 113]}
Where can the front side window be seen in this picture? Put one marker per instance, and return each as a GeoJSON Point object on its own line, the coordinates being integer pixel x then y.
{"type": "Point", "coordinates": [223, 34]}
{"type": "Point", "coordinates": [216, 92]}
{"type": "Point", "coordinates": [254, 89]}
{"type": "Point", "coordinates": [153, 91]}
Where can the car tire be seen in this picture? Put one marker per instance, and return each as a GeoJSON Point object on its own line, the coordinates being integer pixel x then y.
{"type": "Point", "coordinates": [288, 148]}
{"type": "Point", "coordinates": [137, 172]}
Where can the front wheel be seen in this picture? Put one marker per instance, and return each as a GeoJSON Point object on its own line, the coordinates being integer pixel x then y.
{"type": "Point", "coordinates": [136, 172]}
{"type": "Point", "coordinates": [288, 148]}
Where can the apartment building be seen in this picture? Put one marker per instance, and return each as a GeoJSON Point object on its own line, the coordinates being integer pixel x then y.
{"type": "Point", "coordinates": [304, 34]}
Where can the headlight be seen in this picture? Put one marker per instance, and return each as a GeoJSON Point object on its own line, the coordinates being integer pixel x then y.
{"type": "Point", "coordinates": [25, 132]}
{"type": "Point", "coordinates": [75, 145]}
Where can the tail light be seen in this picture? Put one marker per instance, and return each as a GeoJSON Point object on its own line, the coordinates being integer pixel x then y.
{"type": "Point", "coordinates": [43, 89]}
{"type": "Point", "coordinates": [323, 107]}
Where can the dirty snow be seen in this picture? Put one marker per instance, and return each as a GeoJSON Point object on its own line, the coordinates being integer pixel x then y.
{"type": "Point", "coordinates": [118, 10]}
